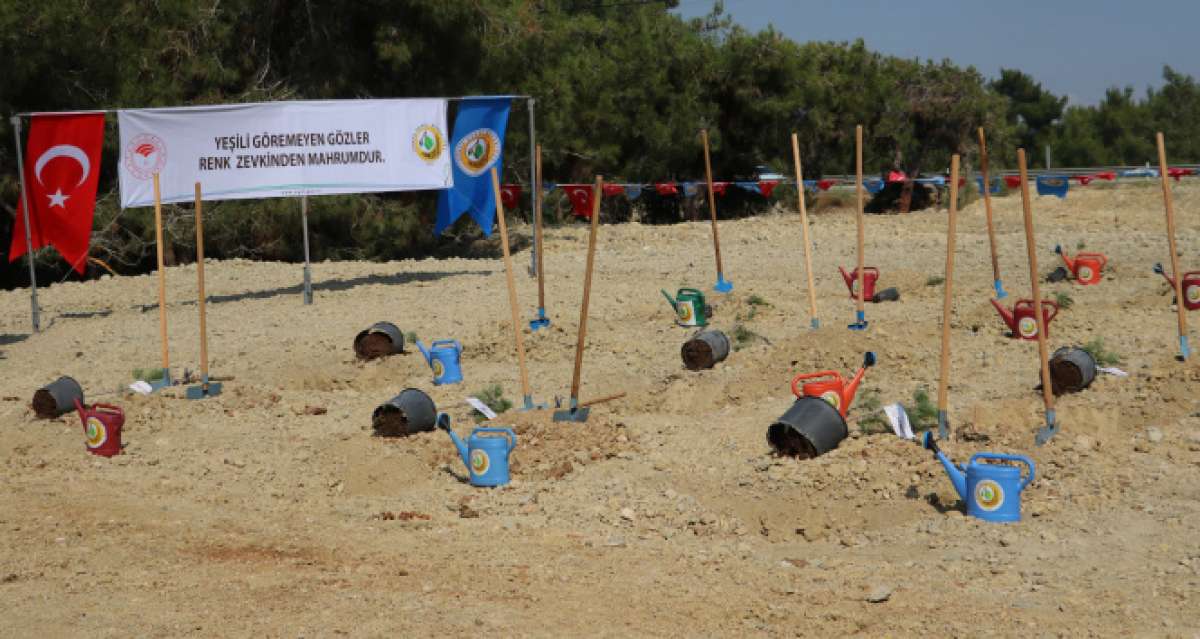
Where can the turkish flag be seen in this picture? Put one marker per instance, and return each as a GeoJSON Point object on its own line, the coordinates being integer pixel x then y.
{"type": "Point", "coordinates": [510, 194]}
{"type": "Point", "coordinates": [824, 185]}
{"type": "Point", "coordinates": [613, 190]}
{"type": "Point", "coordinates": [719, 188]}
{"type": "Point", "coordinates": [666, 188]}
{"type": "Point", "coordinates": [1012, 181]}
{"type": "Point", "coordinates": [581, 198]}
{"type": "Point", "coordinates": [766, 187]}
{"type": "Point", "coordinates": [62, 168]}
{"type": "Point", "coordinates": [1083, 179]}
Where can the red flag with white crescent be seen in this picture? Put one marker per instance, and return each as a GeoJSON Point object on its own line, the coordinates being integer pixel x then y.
{"type": "Point", "coordinates": [62, 169]}
{"type": "Point", "coordinates": [581, 198]}
{"type": "Point", "coordinates": [510, 195]}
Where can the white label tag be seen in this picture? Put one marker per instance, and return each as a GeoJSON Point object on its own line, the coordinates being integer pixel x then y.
{"type": "Point", "coordinates": [481, 407]}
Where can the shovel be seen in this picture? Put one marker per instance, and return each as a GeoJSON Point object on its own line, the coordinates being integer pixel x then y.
{"type": "Point", "coordinates": [861, 315]}
{"type": "Point", "coordinates": [512, 295]}
{"type": "Point", "coordinates": [541, 321]}
{"type": "Point", "coordinates": [206, 388]}
{"type": "Point", "coordinates": [575, 412]}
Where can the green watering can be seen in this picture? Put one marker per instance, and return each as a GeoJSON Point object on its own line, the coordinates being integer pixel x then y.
{"type": "Point", "coordinates": [689, 306]}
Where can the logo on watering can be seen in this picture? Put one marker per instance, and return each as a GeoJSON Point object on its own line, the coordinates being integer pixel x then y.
{"type": "Point", "coordinates": [1192, 294]}
{"type": "Point", "coordinates": [439, 369]}
{"type": "Point", "coordinates": [1085, 273]}
{"type": "Point", "coordinates": [480, 462]}
{"type": "Point", "coordinates": [96, 433]}
{"type": "Point", "coordinates": [685, 312]}
{"type": "Point", "coordinates": [833, 398]}
{"type": "Point", "coordinates": [1027, 326]}
{"type": "Point", "coordinates": [989, 495]}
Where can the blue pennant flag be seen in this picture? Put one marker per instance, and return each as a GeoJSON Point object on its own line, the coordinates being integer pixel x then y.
{"type": "Point", "coordinates": [476, 146]}
{"type": "Point", "coordinates": [748, 186]}
{"type": "Point", "coordinates": [1053, 185]}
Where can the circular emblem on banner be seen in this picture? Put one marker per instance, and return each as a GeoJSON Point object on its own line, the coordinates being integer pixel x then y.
{"type": "Point", "coordinates": [685, 311]}
{"type": "Point", "coordinates": [428, 143]}
{"type": "Point", "coordinates": [480, 462]}
{"type": "Point", "coordinates": [833, 398]}
{"type": "Point", "coordinates": [989, 495]}
{"type": "Point", "coordinates": [96, 433]}
{"type": "Point", "coordinates": [439, 369]}
{"type": "Point", "coordinates": [145, 155]}
{"type": "Point", "coordinates": [1085, 273]}
{"type": "Point", "coordinates": [477, 151]}
{"type": "Point", "coordinates": [1192, 293]}
{"type": "Point", "coordinates": [1027, 327]}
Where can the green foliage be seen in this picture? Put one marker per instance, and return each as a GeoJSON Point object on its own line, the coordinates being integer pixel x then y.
{"type": "Point", "coordinates": [1103, 356]}
{"type": "Point", "coordinates": [870, 407]}
{"type": "Point", "coordinates": [922, 413]}
{"type": "Point", "coordinates": [1063, 299]}
{"type": "Point", "coordinates": [757, 300]}
{"type": "Point", "coordinates": [493, 397]}
{"type": "Point", "coordinates": [1032, 110]}
{"type": "Point", "coordinates": [743, 336]}
{"type": "Point", "coordinates": [935, 280]}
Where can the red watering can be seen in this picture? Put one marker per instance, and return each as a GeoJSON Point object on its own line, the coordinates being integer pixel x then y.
{"type": "Point", "coordinates": [1022, 321]}
{"type": "Point", "coordinates": [829, 385]}
{"type": "Point", "coordinates": [1191, 286]}
{"type": "Point", "coordinates": [1085, 267]}
{"type": "Point", "coordinates": [101, 428]}
{"type": "Point", "coordinates": [870, 275]}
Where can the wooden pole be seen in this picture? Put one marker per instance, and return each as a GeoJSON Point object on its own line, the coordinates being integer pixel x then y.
{"type": "Point", "coordinates": [987, 205]}
{"type": "Point", "coordinates": [947, 304]}
{"type": "Point", "coordinates": [812, 292]}
{"type": "Point", "coordinates": [858, 190]}
{"type": "Point", "coordinates": [722, 285]}
{"type": "Point", "coordinates": [202, 299]}
{"type": "Point", "coordinates": [1169, 205]}
{"type": "Point", "coordinates": [162, 279]}
{"type": "Point", "coordinates": [1045, 434]}
{"type": "Point", "coordinates": [512, 290]}
{"type": "Point", "coordinates": [308, 295]}
{"type": "Point", "coordinates": [597, 193]}
{"type": "Point", "coordinates": [540, 241]}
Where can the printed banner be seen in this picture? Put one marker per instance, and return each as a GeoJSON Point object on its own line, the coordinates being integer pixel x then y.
{"type": "Point", "coordinates": [283, 149]}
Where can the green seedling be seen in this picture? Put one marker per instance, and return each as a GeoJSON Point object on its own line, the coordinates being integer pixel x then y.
{"type": "Point", "coordinates": [935, 280]}
{"type": "Point", "coordinates": [1063, 300]}
{"type": "Point", "coordinates": [922, 413]}
{"type": "Point", "coordinates": [1103, 356]}
{"type": "Point", "coordinates": [493, 397]}
{"type": "Point", "coordinates": [873, 420]}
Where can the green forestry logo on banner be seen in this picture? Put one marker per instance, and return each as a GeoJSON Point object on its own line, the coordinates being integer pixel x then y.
{"type": "Point", "coordinates": [477, 151]}
{"type": "Point", "coordinates": [428, 142]}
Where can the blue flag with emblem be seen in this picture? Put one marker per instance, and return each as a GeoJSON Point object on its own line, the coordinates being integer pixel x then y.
{"type": "Point", "coordinates": [475, 147]}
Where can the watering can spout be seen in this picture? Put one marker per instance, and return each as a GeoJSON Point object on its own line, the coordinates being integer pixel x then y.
{"type": "Point", "coordinates": [670, 300]}
{"type": "Point", "coordinates": [443, 422]}
{"type": "Point", "coordinates": [424, 353]}
{"type": "Point", "coordinates": [1065, 258]}
{"type": "Point", "coordinates": [852, 387]}
{"type": "Point", "coordinates": [1158, 268]}
{"type": "Point", "coordinates": [955, 473]}
{"type": "Point", "coordinates": [1005, 314]}
{"type": "Point", "coordinates": [846, 276]}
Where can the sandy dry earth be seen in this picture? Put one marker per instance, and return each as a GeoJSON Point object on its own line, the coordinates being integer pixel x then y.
{"type": "Point", "coordinates": [666, 514]}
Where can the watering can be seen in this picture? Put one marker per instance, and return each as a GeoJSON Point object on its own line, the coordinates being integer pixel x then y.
{"type": "Point", "coordinates": [1022, 321]}
{"type": "Point", "coordinates": [689, 306]}
{"type": "Point", "coordinates": [1085, 267]}
{"type": "Point", "coordinates": [870, 275]}
{"type": "Point", "coordinates": [485, 454]}
{"type": "Point", "coordinates": [829, 385]}
{"type": "Point", "coordinates": [101, 428]}
{"type": "Point", "coordinates": [1191, 287]}
{"type": "Point", "coordinates": [443, 357]}
{"type": "Point", "coordinates": [992, 491]}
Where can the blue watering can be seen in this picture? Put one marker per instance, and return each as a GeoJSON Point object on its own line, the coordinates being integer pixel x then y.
{"type": "Point", "coordinates": [485, 455]}
{"type": "Point", "coordinates": [992, 491]}
{"type": "Point", "coordinates": [442, 356]}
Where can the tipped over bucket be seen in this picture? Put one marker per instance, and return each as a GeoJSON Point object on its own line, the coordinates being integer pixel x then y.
{"type": "Point", "coordinates": [704, 350]}
{"type": "Point", "coordinates": [57, 397]}
{"type": "Point", "coordinates": [380, 340]}
{"type": "Point", "coordinates": [810, 428]}
{"type": "Point", "coordinates": [1071, 370]}
{"type": "Point", "coordinates": [412, 411]}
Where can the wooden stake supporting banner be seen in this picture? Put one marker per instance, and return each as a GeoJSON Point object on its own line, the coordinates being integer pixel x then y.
{"type": "Point", "coordinates": [518, 337]}
{"type": "Point", "coordinates": [722, 285]}
{"type": "Point", "coordinates": [1169, 205]}
{"type": "Point", "coordinates": [861, 318]}
{"type": "Point", "coordinates": [987, 205]}
{"type": "Point", "coordinates": [1051, 428]}
{"type": "Point", "coordinates": [162, 280]}
{"type": "Point", "coordinates": [812, 292]}
{"type": "Point", "coordinates": [575, 412]}
{"type": "Point", "coordinates": [539, 244]}
{"type": "Point", "coordinates": [947, 304]}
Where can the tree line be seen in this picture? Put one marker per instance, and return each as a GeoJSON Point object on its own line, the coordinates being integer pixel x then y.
{"type": "Point", "coordinates": [622, 89]}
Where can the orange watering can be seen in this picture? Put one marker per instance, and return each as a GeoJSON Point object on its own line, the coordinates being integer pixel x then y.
{"type": "Point", "coordinates": [1085, 267]}
{"type": "Point", "coordinates": [1022, 321]}
{"type": "Point", "coordinates": [829, 385]}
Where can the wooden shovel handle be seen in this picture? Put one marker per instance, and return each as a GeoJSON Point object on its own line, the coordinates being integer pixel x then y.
{"type": "Point", "coordinates": [1031, 249]}
{"type": "Point", "coordinates": [597, 193]}
{"type": "Point", "coordinates": [606, 398]}
{"type": "Point", "coordinates": [812, 294]}
{"type": "Point", "coordinates": [512, 284]}
{"type": "Point", "coordinates": [858, 190]}
{"type": "Point", "coordinates": [540, 241]}
{"type": "Point", "coordinates": [987, 203]}
{"type": "Point", "coordinates": [712, 204]}
{"type": "Point", "coordinates": [200, 285]}
{"type": "Point", "coordinates": [948, 293]}
{"type": "Point", "coordinates": [162, 276]}
{"type": "Point", "coordinates": [1169, 205]}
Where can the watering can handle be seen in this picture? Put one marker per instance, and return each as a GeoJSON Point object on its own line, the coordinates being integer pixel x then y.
{"type": "Point", "coordinates": [451, 342]}
{"type": "Point", "coordinates": [1005, 457]}
{"type": "Point", "coordinates": [79, 407]}
{"type": "Point", "coordinates": [512, 436]}
{"type": "Point", "coordinates": [803, 376]}
{"type": "Point", "coordinates": [871, 269]}
{"type": "Point", "coordinates": [1053, 305]}
{"type": "Point", "coordinates": [690, 290]}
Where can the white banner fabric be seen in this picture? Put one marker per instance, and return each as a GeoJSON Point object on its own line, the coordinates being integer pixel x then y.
{"type": "Point", "coordinates": [283, 149]}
